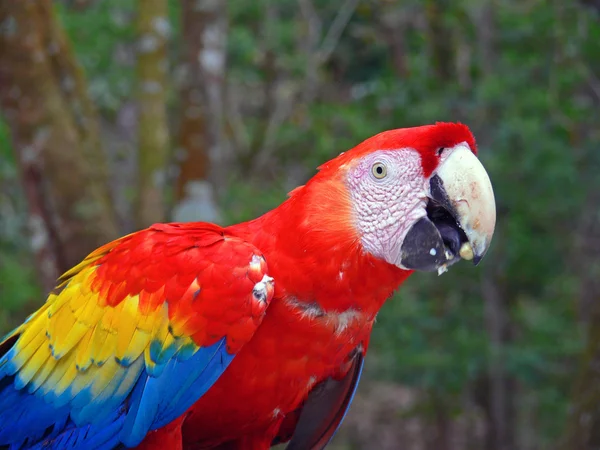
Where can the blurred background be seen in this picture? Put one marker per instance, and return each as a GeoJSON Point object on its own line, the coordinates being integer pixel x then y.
{"type": "Point", "coordinates": [120, 113]}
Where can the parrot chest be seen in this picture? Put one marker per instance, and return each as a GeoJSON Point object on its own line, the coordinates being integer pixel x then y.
{"type": "Point", "coordinates": [295, 348]}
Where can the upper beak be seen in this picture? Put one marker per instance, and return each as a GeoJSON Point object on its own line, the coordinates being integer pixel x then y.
{"type": "Point", "coordinates": [461, 216]}
{"type": "Point", "coordinates": [469, 190]}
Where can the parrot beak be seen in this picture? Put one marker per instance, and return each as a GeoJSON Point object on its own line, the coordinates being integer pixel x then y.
{"type": "Point", "coordinates": [461, 216]}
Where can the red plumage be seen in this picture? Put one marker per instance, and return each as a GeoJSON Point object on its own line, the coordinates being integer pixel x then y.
{"type": "Point", "coordinates": [305, 242]}
{"type": "Point", "coordinates": [426, 140]}
{"type": "Point", "coordinates": [312, 327]}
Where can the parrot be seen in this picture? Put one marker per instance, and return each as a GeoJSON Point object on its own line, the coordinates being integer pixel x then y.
{"type": "Point", "coordinates": [199, 336]}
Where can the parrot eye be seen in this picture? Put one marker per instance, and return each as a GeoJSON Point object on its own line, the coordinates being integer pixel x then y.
{"type": "Point", "coordinates": [379, 170]}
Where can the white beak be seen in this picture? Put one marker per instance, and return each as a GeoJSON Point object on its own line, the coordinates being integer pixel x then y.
{"type": "Point", "coordinates": [470, 193]}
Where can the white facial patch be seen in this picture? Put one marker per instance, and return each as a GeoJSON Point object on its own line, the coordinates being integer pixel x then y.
{"type": "Point", "coordinates": [386, 208]}
{"type": "Point", "coordinates": [260, 290]}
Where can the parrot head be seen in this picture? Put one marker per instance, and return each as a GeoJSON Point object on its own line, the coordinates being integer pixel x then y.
{"type": "Point", "coordinates": [417, 198]}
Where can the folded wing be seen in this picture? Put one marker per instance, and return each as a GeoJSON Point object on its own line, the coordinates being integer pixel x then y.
{"type": "Point", "coordinates": [134, 335]}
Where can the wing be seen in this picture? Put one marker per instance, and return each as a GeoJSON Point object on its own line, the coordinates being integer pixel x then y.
{"type": "Point", "coordinates": [135, 335]}
{"type": "Point", "coordinates": [325, 408]}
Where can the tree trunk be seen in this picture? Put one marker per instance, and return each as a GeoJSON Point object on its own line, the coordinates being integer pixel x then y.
{"type": "Point", "coordinates": [499, 392]}
{"type": "Point", "coordinates": [201, 132]}
{"type": "Point", "coordinates": [486, 29]}
{"type": "Point", "coordinates": [583, 428]}
{"type": "Point", "coordinates": [153, 133]}
{"type": "Point", "coordinates": [55, 137]}
{"type": "Point", "coordinates": [441, 433]}
{"type": "Point", "coordinates": [440, 39]}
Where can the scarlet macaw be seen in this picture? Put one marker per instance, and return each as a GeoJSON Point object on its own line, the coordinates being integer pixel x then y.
{"type": "Point", "coordinates": [191, 335]}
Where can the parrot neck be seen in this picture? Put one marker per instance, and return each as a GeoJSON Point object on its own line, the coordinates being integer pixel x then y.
{"type": "Point", "coordinates": [315, 256]}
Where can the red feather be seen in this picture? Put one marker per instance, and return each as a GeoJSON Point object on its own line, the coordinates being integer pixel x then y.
{"type": "Point", "coordinates": [425, 139]}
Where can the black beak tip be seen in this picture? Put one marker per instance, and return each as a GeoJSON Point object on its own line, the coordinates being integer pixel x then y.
{"type": "Point", "coordinates": [477, 259]}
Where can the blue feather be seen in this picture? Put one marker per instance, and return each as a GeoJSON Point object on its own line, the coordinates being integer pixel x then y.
{"type": "Point", "coordinates": [183, 397]}
{"type": "Point", "coordinates": [193, 376]}
{"type": "Point", "coordinates": [100, 436]}
{"type": "Point", "coordinates": [108, 400]}
{"type": "Point", "coordinates": [26, 416]}
{"type": "Point", "coordinates": [201, 359]}
{"type": "Point", "coordinates": [45, 420]}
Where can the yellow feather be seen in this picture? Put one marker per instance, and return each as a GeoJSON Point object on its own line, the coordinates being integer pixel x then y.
{"type": "Point", "coordinates": [72, 337]}
{"type": "Point", "coordinates": [92, 377]}
{"type": "Point", "coordinates": [105, 375]}
{"type": "Point", "coordinates": [31, 330]}
{"type": "Point", "coordinates": [98, 339]}
{"type": "Point", "coordinates": [78, 300]}
{"type": "Point", "coordinates": [26, 352]}
{"type": "Point", "coordinates": [108, 319]}
{"type": "Point", "coordinates": [91, 313]}
{"type": "Point", "coordinates": [126, 325]}
{"type": "Point", "coordinates": [170, 340]}
{"type": "Point", "coordinates": [33, 365]}
{"type": "Point", "coordinates": [55, 303]}
{"type": "Point", "coordinates": [83, 357]}
{"type": "Point", "coordinates": [146, 323]}
{"type": "Point", "coordinates": [130, 379]}
{"type": "Point", "coordinates": [161, 333]}
{"type": "Point", "coordinates": [85, 283]}
{"type": "Point", "coordinates": [108, 348]}
{"type": "Point", "coordinates": [148, 360]}
{"type": "Point", "coordinates": [64, 375]}
{"type": "Point", "coordinates": [42, 375]}
{"type": "Point", "coordinates": [80, 268]}
{"type": "Point", "coordinates": [52, 382]}
{"type": "Point", "coordinates": [60, 325]}
{"type": "Point", "coordinates": [120, 384]}
{"type": "Point", "coordinates": [138, 343]}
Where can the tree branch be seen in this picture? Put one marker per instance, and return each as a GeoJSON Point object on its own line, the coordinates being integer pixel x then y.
{"type": "Point", "coordinates": [336, 30]}
{"type": "Point", "coordinates": [153, 132]}
{"type": "Point", "coordinates": [287, 94]}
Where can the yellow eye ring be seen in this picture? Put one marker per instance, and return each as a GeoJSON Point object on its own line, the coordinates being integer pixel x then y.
{"type": "Point", "coordinates": [379, 170]}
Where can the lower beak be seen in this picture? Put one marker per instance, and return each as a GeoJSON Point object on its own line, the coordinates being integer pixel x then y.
{"type": "Point", "coordinates": [461, 216]}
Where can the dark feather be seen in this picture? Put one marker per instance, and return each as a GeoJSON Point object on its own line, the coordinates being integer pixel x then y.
{"type": "Point", "coordinates": [325, 409]}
